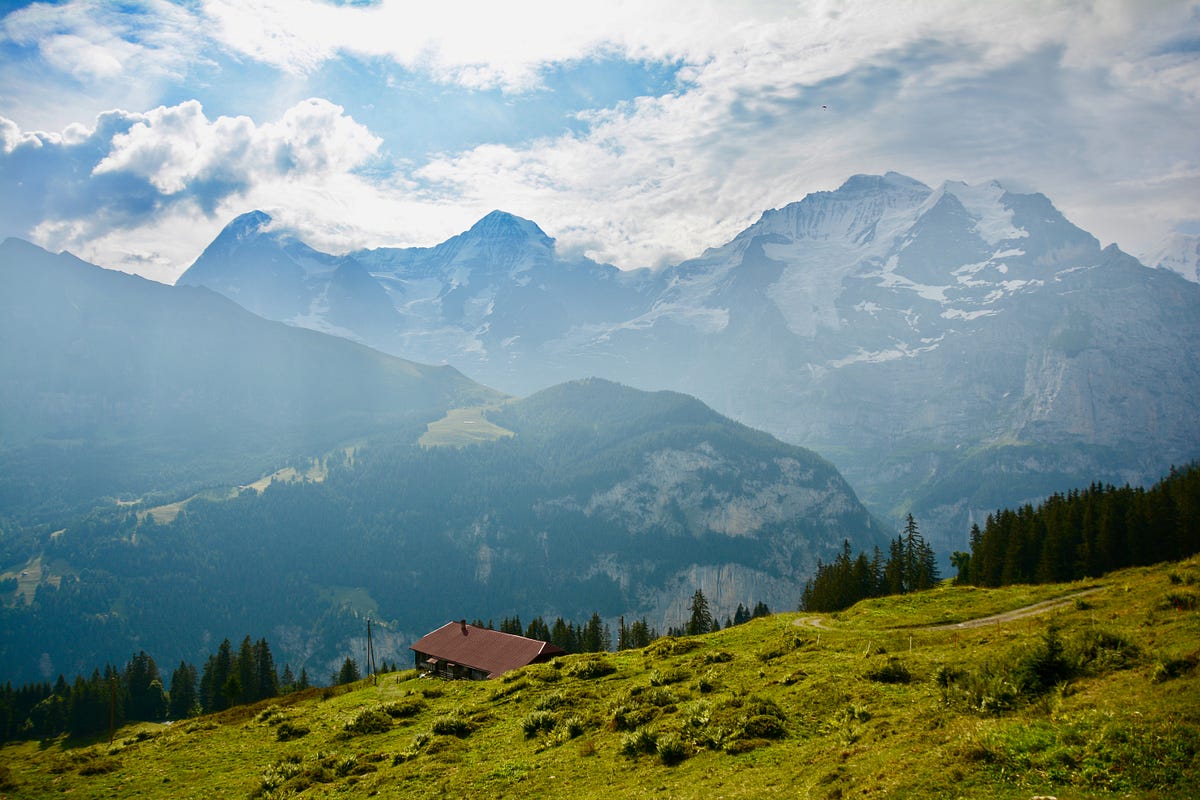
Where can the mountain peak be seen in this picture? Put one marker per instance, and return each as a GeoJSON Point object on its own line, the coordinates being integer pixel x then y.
{"type": "Point", "coordinates": [875, 183]}
{"type": "Point", "coordinates": [250, 223]}
{"type": "Point", "coordinates": [501, 225]}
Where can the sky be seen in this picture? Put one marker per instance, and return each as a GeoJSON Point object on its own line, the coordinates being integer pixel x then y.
{"type": "Point", "coordinates": [637, 133]}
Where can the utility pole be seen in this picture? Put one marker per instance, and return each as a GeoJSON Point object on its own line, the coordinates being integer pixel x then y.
{"type": "Point", "coordinates": [371, 654]}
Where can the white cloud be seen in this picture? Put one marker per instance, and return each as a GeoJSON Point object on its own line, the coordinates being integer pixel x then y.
{"type": "Point", "coordinates": [1093, 103]}
{"type": "Point", "coordinates": [175, 147]}
{"type": "Point", "coordinates": [145, 192]}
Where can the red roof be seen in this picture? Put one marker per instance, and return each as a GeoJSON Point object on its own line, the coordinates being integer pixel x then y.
{"type": "Point", "coordinates": [483, 649]}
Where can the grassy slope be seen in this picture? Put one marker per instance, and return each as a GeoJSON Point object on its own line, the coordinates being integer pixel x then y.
{"type": "Point", "coordinates": [461, 427]}
{"type": "Point", "coordinates": [1121, 729]}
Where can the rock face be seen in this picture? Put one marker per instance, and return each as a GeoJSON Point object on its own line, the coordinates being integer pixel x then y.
{"type": "Point", "coordinates": [951, 349]}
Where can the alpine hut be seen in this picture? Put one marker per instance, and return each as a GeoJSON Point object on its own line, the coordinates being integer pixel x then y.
{"type": "Point", "coordinates": [459, 650]}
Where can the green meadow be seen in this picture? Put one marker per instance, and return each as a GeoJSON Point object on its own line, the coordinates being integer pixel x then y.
{"type": "Point", "coordinates": [1096, 696]}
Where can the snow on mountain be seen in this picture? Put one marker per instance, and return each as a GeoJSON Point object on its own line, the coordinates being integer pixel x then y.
{"type": "Point", "coordinates": [1181, 254]}
{"type": "Point", "coordinates": [930, 341]}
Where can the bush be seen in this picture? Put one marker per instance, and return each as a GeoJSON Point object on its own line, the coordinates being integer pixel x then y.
{"type": "Point", "coordinates": [659, 697]}
{"type": "Point", "coordinates": [1043, 667]}
{"type": "Point", "coordinates": [628, 718]}
{"type": "Point", "coordinates": [591, 668]}
{"type": "Point", "coordinates": [893, 671]}
{"type": "Point", "coordinates": [371, 720]}
{"type": "Point", "coordinates": [536, 722]}
{"type": "Point", "coordinates": [671, 749]}
{"type": "Point", "coordinates": [1181, 601]}
{"type": "Point", "coordinates": [761, 726]}
{"type": "Point", "coordinates": [550, 702]}
{"type": "Point", "coordinates": [453, 725]}
{"type": "Point", "coordinates": [665, 677]}
{"type": "Point", "coordinates": [403, 709]}
{"type": "Point", "coordinates": [286, 732]}
{"type": "Point", "coordinates": [670, 646]}
{"type": "Point", "coordinates": [639, 742]}
{"type": "Point", "coordinates": [1099, 651]}
{"type": "Point", "coordinates": [1166, 668]}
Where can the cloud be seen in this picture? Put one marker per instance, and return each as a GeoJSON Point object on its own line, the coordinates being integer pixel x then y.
{"type": "Point", "coordinates": [87, 189]}
{"type": "Point", "coordinates": [1093, 103]}
{"type": "Point", "coordinates": [1063, 98]}
{"type": "Point", "coordinates": [179, 148]}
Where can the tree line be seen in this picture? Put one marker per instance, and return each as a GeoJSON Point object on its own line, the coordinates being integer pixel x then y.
{"type": "Point", "coordinates": [113, 696]}
{"type": "Point", "coordinates": [596, 636]}
{"type": "Point", "coordinates": [1086, 533]}
{"type": "Point", "coordinates": [910, 566]}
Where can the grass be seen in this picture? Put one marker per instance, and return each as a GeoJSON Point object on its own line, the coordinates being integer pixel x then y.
{"type": "Point", "coordinates": [463, 426]}
{"type": "Point", "coordinates": [1100, 699]}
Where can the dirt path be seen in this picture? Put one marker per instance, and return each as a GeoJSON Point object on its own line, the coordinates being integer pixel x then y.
{"type": "Point", "coordinates": [994, 619]}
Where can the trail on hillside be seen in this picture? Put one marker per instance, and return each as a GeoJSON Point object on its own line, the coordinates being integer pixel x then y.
{"type": "Point", "coordinates": [993, 619]}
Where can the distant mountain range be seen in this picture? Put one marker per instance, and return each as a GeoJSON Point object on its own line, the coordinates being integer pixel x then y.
{"type": "Point", "coordinates": [137, 421]}
{"type": "Point", "coordinates": [951, 349]}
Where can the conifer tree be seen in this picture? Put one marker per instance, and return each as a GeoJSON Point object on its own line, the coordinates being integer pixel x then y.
{"type": "Point", "coordinates": [701, 617]}
{"type": "Point", "coordinates": [184, 701]}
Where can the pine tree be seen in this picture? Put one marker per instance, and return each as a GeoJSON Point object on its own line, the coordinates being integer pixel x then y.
{"type": "Point", "coordinates": [184, 701]}
{"type": "Point", "coordinates": [266, 681]}
{"type": "Point", "coordinates": [287, 681]}
{"type": "Point", "coordinates": [701, 616]}
{"type": "Point", "coordinates": [349, 672]}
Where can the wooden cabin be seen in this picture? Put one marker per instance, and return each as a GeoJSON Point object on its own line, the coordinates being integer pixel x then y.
{"type": "Point", "coordinates": [468, 652]}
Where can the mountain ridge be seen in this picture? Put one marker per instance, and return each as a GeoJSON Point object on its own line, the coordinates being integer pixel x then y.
{"type": "Point", "coordinates": [983, 313]}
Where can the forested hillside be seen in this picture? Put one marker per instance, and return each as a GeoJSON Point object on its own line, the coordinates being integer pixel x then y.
{"type": "Point", "coordinates": [607, 500]}
{"type": "Point", "coordinates": [1087, 532]}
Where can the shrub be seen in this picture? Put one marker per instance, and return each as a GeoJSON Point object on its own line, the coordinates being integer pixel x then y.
{"type": "Point", "coordinates": [717, 657]}
{"type": "Point", "coordinates": [453, 725]}
{"type": "Point", "coordinates": [370, 720]}
{"type": "Point", "coordinates": [782, 646]}
{"type": "Point", "coordinates": [591, 668]}
{"type": "Point", "coordinates": [536, 722]}
{"type": "Point", "coordinates": [550, 702]}
{"type": "Point", "coordinates": [573, 726]}
{"type": "Point", "coordinates": [639, 742]}
{"type": "Point", "coordinates": [628, 718]}
{"type": "Point", "coordinates": [1181, 601]}
{"type": "Point", "coordinates": [893, 671]}
{"type": "Point", "coordinates": [403, 709]}
{"type": "Point", "coordinates": [665, 677]}
{"type": "Point", "coordinates": [1167, 668]}
{"type": "Point", "coordinates": [671, 749]}
{"type": "Point", "coordinates": [659, 697]}
{"type": "Point", "coordinates": [1099, 651]}
{"type": "Point", "coordinates": [670, 646]}
{"type": "Point", "coordinates": [761, 726]}
{"type": "Point", "coordinates": [286, 732]}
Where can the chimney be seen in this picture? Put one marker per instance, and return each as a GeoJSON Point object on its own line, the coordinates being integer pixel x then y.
{"type": "Point", "coordinates": [464, 627]}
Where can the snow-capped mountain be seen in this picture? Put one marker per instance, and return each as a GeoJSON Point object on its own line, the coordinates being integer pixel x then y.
{"type": "Point", "coordinates": [951, 349]}
{"type": "Point", "coordinates": [1180, 254]}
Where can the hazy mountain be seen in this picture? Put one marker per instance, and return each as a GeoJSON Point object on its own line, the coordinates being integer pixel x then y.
{"type": "Point", "coordinates": [1181, 254]}
{"type": "Point", "coordinates": [115, 386]}
{"type": "Point", "coordinates": [606, 499]}
{"type": "Point", "coordinates": [951, 349]}
{"type": "Point", "coordinates": [115, 391]}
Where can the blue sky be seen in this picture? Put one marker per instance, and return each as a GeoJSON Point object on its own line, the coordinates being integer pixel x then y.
{"type": "Point", "coordinates": [639, 133]}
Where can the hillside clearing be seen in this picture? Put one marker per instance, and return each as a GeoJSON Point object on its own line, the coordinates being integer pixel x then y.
{"type": "Point", "coordinates": [463, 426]}
{"type": "Point", "coordinates": [761, 709]}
